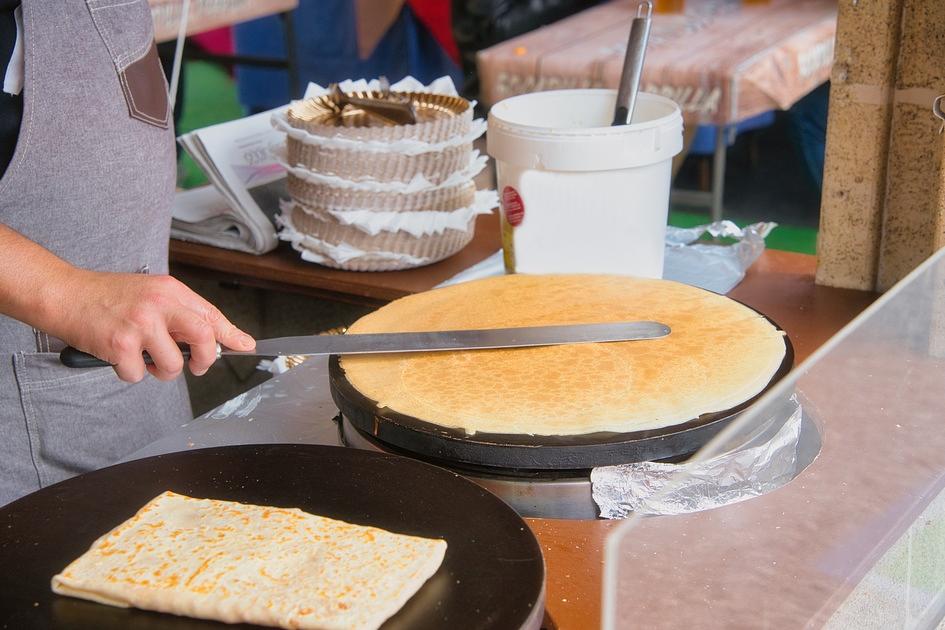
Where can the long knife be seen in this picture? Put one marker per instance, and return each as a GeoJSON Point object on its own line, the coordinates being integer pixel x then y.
{"type": "Point", "coordinates": [378, 343]}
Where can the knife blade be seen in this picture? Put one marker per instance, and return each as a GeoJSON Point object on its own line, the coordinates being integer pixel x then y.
{"type": "Point", "coordinates": [381, 343]}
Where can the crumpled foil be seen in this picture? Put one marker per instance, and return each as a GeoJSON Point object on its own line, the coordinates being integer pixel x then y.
{"type": "Point", "coordinates": [663, 489]}
{"type": "Point", "coordinates": [717, 268]}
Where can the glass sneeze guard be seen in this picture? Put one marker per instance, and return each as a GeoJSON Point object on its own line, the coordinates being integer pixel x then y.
{"type": "Point", "coordinates": [857, 540]}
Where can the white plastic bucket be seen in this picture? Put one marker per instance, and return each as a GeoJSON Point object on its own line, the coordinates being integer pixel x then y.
{"type": "Point", "coordinates": [580, 196]}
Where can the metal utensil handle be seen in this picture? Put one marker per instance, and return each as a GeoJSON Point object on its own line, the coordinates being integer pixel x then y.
{"type": "Point", "coordinates": [74, 358]}
{"type": "Point", "coordinates": [633, 65]}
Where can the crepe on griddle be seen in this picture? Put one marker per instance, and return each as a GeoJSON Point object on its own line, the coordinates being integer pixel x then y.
{"type": "Point", "coordinates": [238, 563]}
{"type": "Point", "coordinates": [718, 355]}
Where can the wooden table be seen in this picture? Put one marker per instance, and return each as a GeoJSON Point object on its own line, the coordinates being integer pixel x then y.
{"type": "Point", "coordinates": [780, 284]}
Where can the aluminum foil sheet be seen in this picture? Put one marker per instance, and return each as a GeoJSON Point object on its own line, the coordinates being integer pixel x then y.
{"type": "Point", "coordinates": [714, 267]}
{"type": "Point", "coordinates": [663, 489]}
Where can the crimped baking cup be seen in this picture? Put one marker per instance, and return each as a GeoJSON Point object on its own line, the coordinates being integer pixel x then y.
{"type": "Point", "coordinates": [430, 247]}
{"type": "Point", "coordinates": [439, 118]}
{"type": "Point", "coordinates": [436, 166]}
{"type": "Point", "coordinates": [326, 196]}
{"type": "Point", "coordinates": [367, 262]}
{"type": "Point", "coordinates": [406, 146]}
{"type": "Point", "coordinates": [414, 223]}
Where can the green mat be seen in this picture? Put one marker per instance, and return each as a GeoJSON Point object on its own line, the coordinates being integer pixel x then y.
{"type": "Point", "coordinates": [210, 97]}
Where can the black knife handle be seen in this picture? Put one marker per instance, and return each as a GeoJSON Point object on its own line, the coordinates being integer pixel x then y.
{"type": "Point", "coordinates": [70, 357]}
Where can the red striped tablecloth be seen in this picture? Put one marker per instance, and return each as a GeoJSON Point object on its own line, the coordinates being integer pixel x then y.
{"type": "Point", "coordinates": [722, 60]}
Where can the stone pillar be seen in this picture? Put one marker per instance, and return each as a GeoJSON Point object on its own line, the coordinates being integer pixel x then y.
{"type": "Point", "coordinates": [851, 210]}
{"type": "Point", "coordinates": [883, 208]}
{"type": "Point", "coordinates": [913, 215]}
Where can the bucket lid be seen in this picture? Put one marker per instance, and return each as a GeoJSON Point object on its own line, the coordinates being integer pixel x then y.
{"type": "Point", "coordinates": [569, 130]}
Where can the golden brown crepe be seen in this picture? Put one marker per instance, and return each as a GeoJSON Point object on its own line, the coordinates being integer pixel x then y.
{"type": "Point", "coordinates": [719, 354]}
{"type": "Point", "coordinates": [237, 563]}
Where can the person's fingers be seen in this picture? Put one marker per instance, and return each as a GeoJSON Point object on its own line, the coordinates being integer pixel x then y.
{"type": "Point", "coordinates": [124, 353]}
{"type": "Point", "coordinates": [131, 313]}
{"type": "Point", "coordinates": [235, 339]}
{"type": "Point", "coordinates": [129, 369]}
{"type": "Point", "coordinates": [166, 356]}
{"type": "Point", "coordinates": [156, 373]}
{"type": "Point", "coordinates": [190, 328]}
{"type": "Point", "coordinates": [224, 331]}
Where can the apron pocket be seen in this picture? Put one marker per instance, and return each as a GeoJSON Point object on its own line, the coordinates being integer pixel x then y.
{"type": "Point", "coordinates": [82, 419]}
{"type": "Point", "coordinates": [127, 29]}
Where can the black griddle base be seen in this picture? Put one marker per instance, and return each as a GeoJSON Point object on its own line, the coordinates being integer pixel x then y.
{"type": "Point", "coordinates": [464, 468]}
{"type": "Point", "coordinates": [492, 576]}
{"type": "Point", "coordinates": [517, 454]}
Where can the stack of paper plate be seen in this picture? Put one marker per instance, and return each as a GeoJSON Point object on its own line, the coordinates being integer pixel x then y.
{"type": "Point", "coordinates": [371, 195]}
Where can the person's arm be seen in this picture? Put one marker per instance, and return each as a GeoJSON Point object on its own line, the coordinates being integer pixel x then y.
{"type": "Point", "coordinates": [114, 316]}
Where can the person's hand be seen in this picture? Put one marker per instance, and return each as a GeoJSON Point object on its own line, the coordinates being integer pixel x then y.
{"type": "Point", "coordinates": [117, 316]}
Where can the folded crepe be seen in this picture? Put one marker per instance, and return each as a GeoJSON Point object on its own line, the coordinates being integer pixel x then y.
{"type": "Point", "coordinates": [240, 563]}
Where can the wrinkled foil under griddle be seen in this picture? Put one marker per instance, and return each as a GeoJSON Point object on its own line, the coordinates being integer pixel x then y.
{"type": "Point", "coordinates": [663, 489]}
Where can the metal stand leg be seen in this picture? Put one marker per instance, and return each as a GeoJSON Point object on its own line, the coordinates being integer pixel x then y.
{"type": "Point", "coordinates": [718, 171]}
{"type": "Point", "coordinates": [291, 56]}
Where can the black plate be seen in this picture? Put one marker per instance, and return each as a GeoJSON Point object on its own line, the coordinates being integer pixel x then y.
{"type": "Point", "coordinates": [526, 454]}
{"type": "Point", "coordinates": [492, 576]}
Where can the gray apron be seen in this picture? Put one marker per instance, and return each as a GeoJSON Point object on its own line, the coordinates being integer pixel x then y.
{"type": "Point", "coordinates": [92, 180]}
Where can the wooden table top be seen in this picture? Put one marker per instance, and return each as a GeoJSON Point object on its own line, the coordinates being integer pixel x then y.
{"type": "Point", "coordinates": [780, 284]}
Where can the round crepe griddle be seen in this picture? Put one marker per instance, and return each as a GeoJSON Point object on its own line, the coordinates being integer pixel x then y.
{"type": "Point", "coordinates": [492, 575]}
{"type": "Point", "coordinates": [527, 455]}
